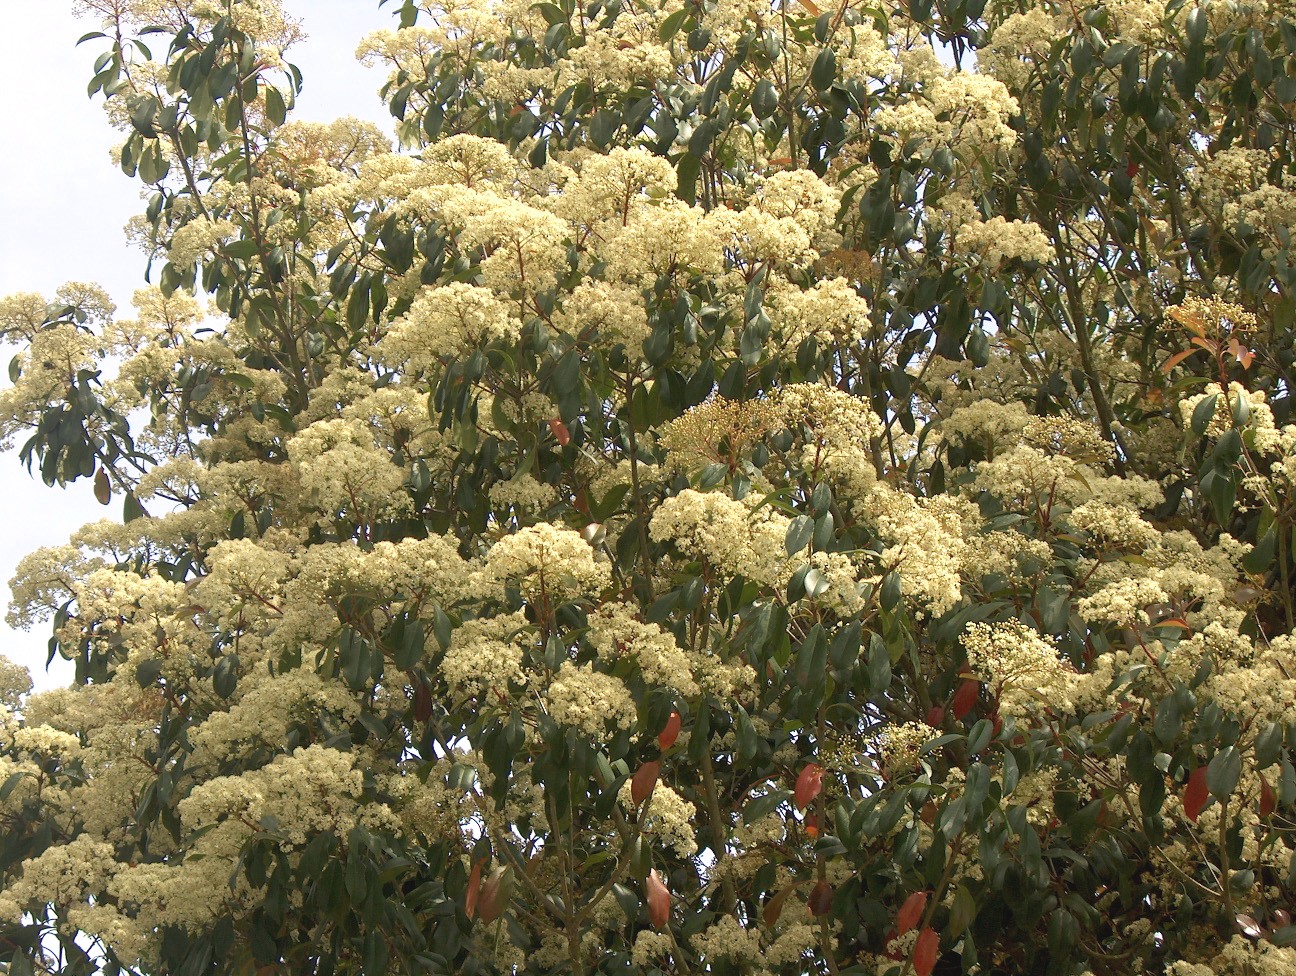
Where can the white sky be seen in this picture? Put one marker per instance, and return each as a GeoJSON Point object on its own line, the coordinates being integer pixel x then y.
{"type": "Point", "coordinates": [63, 206]}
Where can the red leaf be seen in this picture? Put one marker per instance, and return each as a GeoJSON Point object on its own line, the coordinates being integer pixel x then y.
{"type": "Point", "coordinates": [644, 781]}
{"type": "Point", "coordinates": [820, 901]}
{"type": "Point", "coordinates": [774, 907]}
{"type": "Point", "coordinates": [474, 886]}
{"type": "Point", "coordinates": [965, 698]}
{"type": "Point", "coordinates": [658, 900]}
{"type": "Point", "coordinates": [561, 434]}
{"type": "Point", "coordinates": [1195, 793]}
{"type": "Point", "coordinates": [936, 716]}
{"type": "Point", "coordinates": [493, 895]}
{"type": "Point", "coordinates": [808, 785]}
{"type": "Point", "coordinates": [1176, 359]}
{"type": "Point", "coordinates": [1131, 170]}
{"type": "Point", "coordinates": [422, 702]}
{"type": "Point", "coordinates": [1267, 799]}
{"type": "Point", "coordinates": [666, 738]}
{"type": "Point", "coordinates": [925, 951]}
{"type": "Point", "coordinates": [811, 826]}
{"type": "Point", "coordinates": [911, 912]}
{"type": "Point", "coordinates": [102, 489]}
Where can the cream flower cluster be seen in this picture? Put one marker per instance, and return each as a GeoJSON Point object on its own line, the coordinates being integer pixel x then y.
{"type": "Point", "coordinates": [1023, 668]}
{"type": "Point", "coordinates": [997, 240]}
{"type": "Point", "coordinates": [667, 815]}
{"type": "Point", "coordinates": [549, 564]}
{"type": "Point", "coordinates": [589, 700]}
{"type": "Point", "coordinates": [487, 655]}
{"type": "Point", "coordinates": [446, 321]}
{"type": "Point", "coordinates": [714, 527]}
{"type": "Point", "coordinates": [616, 632]}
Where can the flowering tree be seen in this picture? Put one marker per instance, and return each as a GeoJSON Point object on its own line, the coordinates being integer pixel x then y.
{"type": "Point", "coordinates": [744, 487]}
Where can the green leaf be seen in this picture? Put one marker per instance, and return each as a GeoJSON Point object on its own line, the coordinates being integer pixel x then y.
{"type": "Point", "coordinates": [798, 534]}
{"type": "Point", "coordinates": [1202, 414]}
{"type": "Point", "coordinates": [962, 911]}
{"type": "Point", "coordinates": [225, 676]}
{"type": "Point", "coordinates": [1261, 557]}
{"type": "Point", "coordinates": [670, 27]}
{"type": "Point", "coordinates": [764, 100]}
{"type": "Point", "coordinates": [1223, 772]}
{"type": "Point", "coordinates": [688, 169]}
{"type": "Point", "coordinates": [764, 805]}
{"type": "Point", "coordinates": [746, 738]}
{"type": "Point", "coordinates": [143, 115]}
{"type": "Point", "coordinates": [131, 508]}
{"type": "Point", "coordinates": [358, 303]}
{"type": "Point", "coordinates": [10, 784]}
{"type": "Point", "coordinates": [824, 70]}
{"type": "Point", "coordinates": [276, 109]}
{"type": "Point", "coordinates": [816, 584]}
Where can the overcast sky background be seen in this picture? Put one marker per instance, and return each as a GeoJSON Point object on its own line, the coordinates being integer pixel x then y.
{"type": "Point", "coordinates": [63, 205]}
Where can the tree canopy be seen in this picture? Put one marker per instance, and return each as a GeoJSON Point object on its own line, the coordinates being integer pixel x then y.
{"type": "Point", "coordinates": [751, 487]}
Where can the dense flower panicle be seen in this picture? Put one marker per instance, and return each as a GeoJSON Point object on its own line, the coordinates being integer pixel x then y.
{"type": "Point", "coordinates": [487, 655]}
{"type": "Point", "coordinates": [550, 565]}
{"type": "Point", "coordinates": [727, 533]}
{"type": "Point", "coordinates": [1022, 668]}
{"type": "Point", "coordinates": [448, 321]}
{"type": "Point", "coordinates": [616, 632]}
{"type": "Point", "coordinates": [996, 240]}
{"type": "Point", "coordinates": [589, 700]}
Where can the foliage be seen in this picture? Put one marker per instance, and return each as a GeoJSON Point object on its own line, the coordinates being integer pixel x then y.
{"type": "Point", "coordinates": [744, 488]}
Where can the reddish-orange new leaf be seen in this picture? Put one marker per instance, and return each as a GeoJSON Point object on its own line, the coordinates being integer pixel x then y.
{"type": "Point", "coordinates": [644, 781]}
{"type": "Point", "coordinates": [422, 702]}
{"type": "Point", "coordinates": [494, 895]}
{"type": "Point", "coordinates": [658, 900]}
{"type": "Point", "coordinates": [808, 785]}
{"type": "Point", "coordinates": [965, 698]}
{"type": "Point", "coordinates": [1268, 802]}
{"type": "Point", "coordinates": [935, 716]}
{"type": "Point", "coordinates": [1176, 359]}
{"type": "Point", "coordinates": [774, 907]}
{"type": "Point", "coordinates": [925, 951]}
{"type": "Point", "coordinates": [811, 826]}
{"type": "Point", "coordinates": [1195, 794]}
{"type": "Point", "coordinates": [911, 912]}
{"type": "Point", "coordinates": [666, 738]}
{"type": "Point", "coordinates": [561, 434]}
{"type": "Point", "coordinates": [820, 901]}
{"type": "Point", "coordinates": [474, 886]}
{"type": "Point", "coordinates": [1203, 343]}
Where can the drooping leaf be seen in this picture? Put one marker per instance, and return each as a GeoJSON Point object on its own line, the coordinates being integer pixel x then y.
{"type": "Point", "coordinates": [808, 785]}
{"type": "Point", "coordinates": [1195, 794]}
{"type": "Point", "coordinates": [911, 912]}
{"type": "Point", "coordinates": [926, 950]}
{"type": "Point", "coordinates": [659, 900]}
{"type": "Point", "coordinates": [474, 888]}
{"type": "Point", "coordinates": [644, 781]}
{"type": "Point", "coordinates": [821, 899]}
{"type": "Point", "coordinates": [667, 736]}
